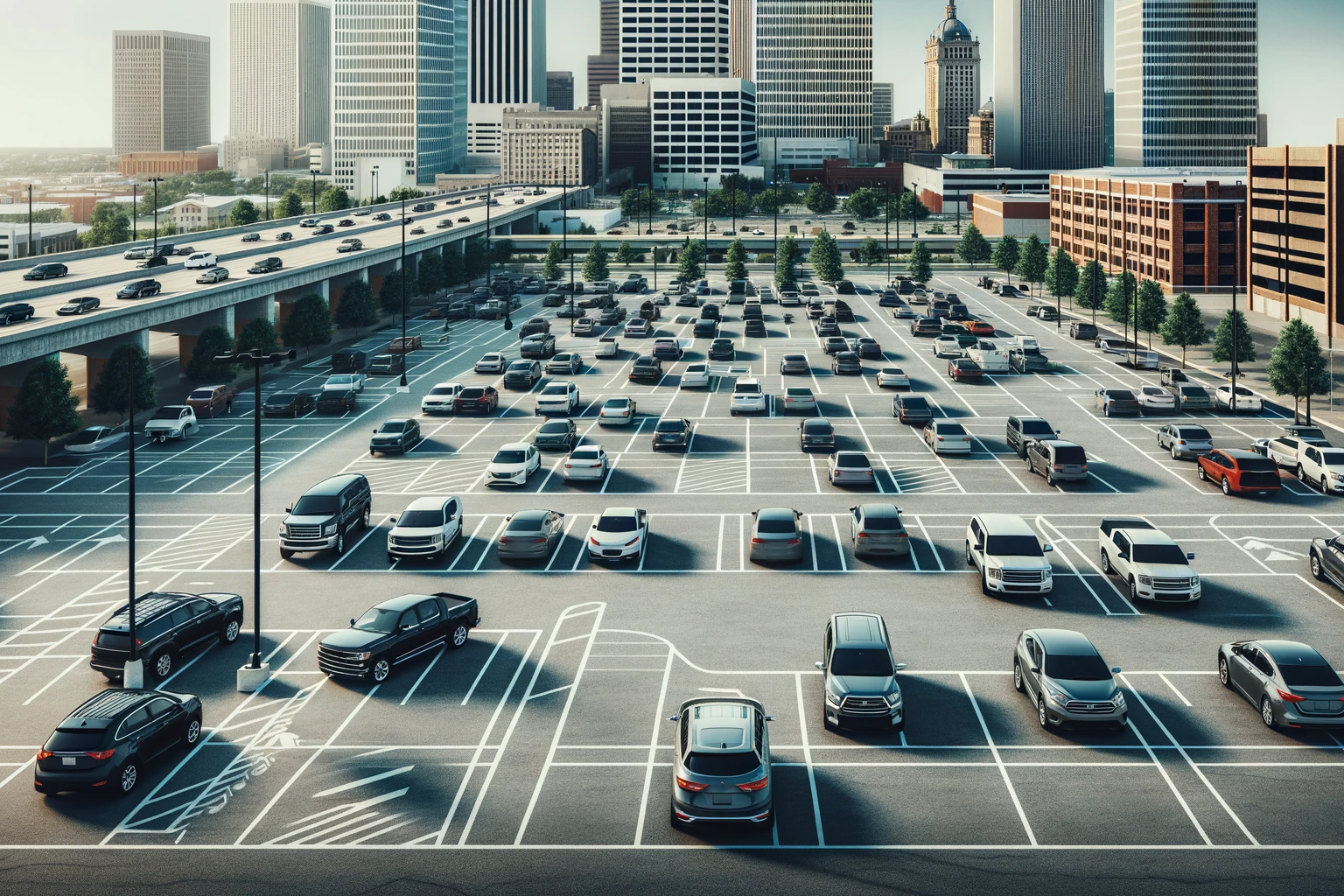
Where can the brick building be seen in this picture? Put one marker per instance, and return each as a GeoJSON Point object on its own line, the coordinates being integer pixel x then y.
{"type": "Point", "coordinates": [1177, 227]}
{"type": "Point", "coordinates": [1011, 214]}
{"type": "Point", "coordinates": [134, 164]}
{"type": "Point", "coordinates": [839, 178]}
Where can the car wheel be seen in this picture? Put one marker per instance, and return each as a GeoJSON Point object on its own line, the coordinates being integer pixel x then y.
{"type": "Point", "coordinates": [1106, 563]}
{"type": "Point", "coordinates": [458, 636]}
{"type": "Point", "coordinates": [1300, 476]}
{"type": "Point", "coordinates": [1267, 713]}
{"type": "Point", "coordinates": [391, 559]}
{"type": "Point", "coordinates": [340, 542]}
{"type": "Point", "coordinates": [1223, 675]}
{"type": "Point", "coordinates": [984, 584]}
{"type": "Point", "coordinates": [162, 664]}
{"type": "Point", "coordinates": [1227, 486]}
{"type": "Point", "coordinates": [1017, 678]}
{"type": "Point", "coordinates": [126, 778]}
{"type": "Point", "coordinates": [970, 560]}
{"type": "Point", "coordinates": [285, 555]}
{"type": "Point", "coordinates": [365, 516]}
{"type": "Point", "coordinates": [1050, 479]}
{"type": "Point", "coordinates": [1203, 474]}
{"type": "Point", "coordinates": [193, 732]}
{"type": "Point", "coordinates": [1041, 715]}
{"type": "Point", "coordinates": [381, 670]}
{"type": "Point", "coordinates": [1316, 571]}
{"type": "Point", "coordinates": [1105, 410]}
{"type": "Point", "coordinates": [1174, 454]}
{"type": "Point", "coordinates": [1133, 589]}
{"type": "Point", "coordinates": [231, 628]}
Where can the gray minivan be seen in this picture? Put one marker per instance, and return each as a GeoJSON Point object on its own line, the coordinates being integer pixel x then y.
{"type": "Point", "coordinates": [325, 515]}
{"type": "Point", "coordinates": [860, 677]}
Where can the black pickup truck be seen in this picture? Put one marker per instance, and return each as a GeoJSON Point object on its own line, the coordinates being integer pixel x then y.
{"type": "Point", "coordinates": [397, 631]}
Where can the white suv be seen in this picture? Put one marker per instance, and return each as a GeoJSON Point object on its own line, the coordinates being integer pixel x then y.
{"type": "Point", "coordinates": [1010, 557]}
{"type": "Point", "coordinates": [426, 529]}
{"type": "Point", "coordinates": [558, 399]}
{"type": "Point", "coordinates": [201, 260]}
{"type": "Point", "coordinates": [748, 397]}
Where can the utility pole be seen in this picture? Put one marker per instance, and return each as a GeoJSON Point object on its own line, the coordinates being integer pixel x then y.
{"type": "Point", "coordinates": [403, 386]}
{"type": "Point", "coordinates": [887, 205]}
{"type": "Point", "coordinates": [268, 194]}
{"type": "Point", "coordinates": [30, 220]}
{"type": "Point", "coordinates": [564, 231]}
{"type": "Point", "coordinates": [313, 172]}
{"type": "Point", "coordinates": [133, 676]}
{"type": "Point", "coordinates": [135, 206]}
{"type": "Point", "coordinates": [156, 181]}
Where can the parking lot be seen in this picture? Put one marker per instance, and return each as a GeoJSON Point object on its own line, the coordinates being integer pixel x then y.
{"type": "Point", "coordinates": [548, 730]}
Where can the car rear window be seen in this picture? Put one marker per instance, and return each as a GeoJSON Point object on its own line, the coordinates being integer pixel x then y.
{"type": "Point", "coordinates": [1313, 676]}
{"type": "Point", "coordinates": [1014, 546]}
{"type": "Point", "coordinates": [915, 404]}
{"type": "Point", "coordinates": [670, 426]}
{"type": "Point", "coordinates": [722, 765]}
{"type": "Point", "coordinates": [747, 388]}
{"type": "Point", "coordinates": [851, 460]}
{"type": "Point", "coordinates": [1195, 433]}
{"type": "Point", "coordinates": [883, 524]}
{"type": "Point", "coordinates": [1070, 454]}
{"type": "Point", "coordinates": [1121, 395]}
{"type": "Point", "coordinates": [472, 393]}
{"type": "Point", "coordinates": [555, 426]}
{"type": "Point", "coordinates": [776, 527]}
{"type": "Point", "coordinates": [1257, 465]}
{"type": "Point", "coordinates": [201, 395]}
{"type": "Point", "coordinates": [75, 740]}
{"type": "Point", "coordinates": [854, 661]}
{"type": "Point", "coordinates": [798, 393]}
{"type": "Point", "coordinates": [555, 390]}
{"type": "Point", "coordinates": [818, 426]}
{"type": "Point", "coordinates": [951, 429]}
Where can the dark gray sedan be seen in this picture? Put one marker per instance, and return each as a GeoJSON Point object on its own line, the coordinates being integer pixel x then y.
{"type": "Point", "coordinates": [816, 433]}
{"type": "Point", "coordinates": [672, 432]}
{"type": "Point", "coordinates": [1291, 684]}
{"type": "Point", "coordinates": [776, 536]}
{"type": "Point", "coordinates": [531, 535]}
{"type": "Point", "coordinates": [846, 363]}
{"type": "Point", "coordinates": [794, 364]}
{"type": "Point", "coordinates": [556, 435]}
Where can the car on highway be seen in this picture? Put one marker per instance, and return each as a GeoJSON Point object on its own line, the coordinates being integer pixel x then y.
{"type": "Point", "coordinates": [776, 536]}
{"type": "Point", "coordinates": [440, 398]}
{"type": "Point", "coordinates": [47, 271]}
{"type": "Point", "coordinates": [136, 289]}
{"type": "Point", "coordinates": [1008, 555]}
{"type": "Point", "coordinates": [695, 376]}
{"type": "Point", "coordinates": [1057, 460]}
{"type": "Point", "coordinates": [476, 400]}
{"type": "Point", "coordinates": [201, 260]}
{"type": "Point", "coordinates": [522, 374]}
{"type": "Point", "coordinates": [154, 261]}
{"type": "Point", "coordinates": [444, 224]}
{"type": "Point", "coordinates": [817, 433]}
{"type": "Point", "coordinates": [963, 370]}
{"type": "Point", "coordinates": [210, 401]}
{"type": "Point", "coordinates": [336, 401]}
{"type": "Point", "coordinates": [112, 740]}
{"type": "Point", "coordinates": [1239, 472]}
{"type": "Point", "coordinates": [93, 439]}
{"type": "Point", "coordinates": [465, 219]}
{"type": "Point", "coordinates": [1155, 398]}
{"type": "Point", "coordinates": [846, 364]}
{"type": "Point", "coordinates": [798, 398]}
{"type": "Point", "coordinates": [266, 266]}
{"type": "Point", "coordinates": [859, 675]}
{"type": "Point", "coordinates": [722, 350]}
{"type": "Point", "coordinates": [213, 275]}
{"type": "Point", "coordinates": [254, 237]}
{"type": "Point", "coordinates": [911, 409]}
{"type": "Point", "coordinates": [396, 631]}
{"type": "Point", "coordinates": [946, 437]}
{"type": "Point", "coordinates": [530, 535]}
{"type": "Point", "coordinates": [417, 231]}
{"type": "Point", "coordinates": [850, 468]}
{"type": "Point", "coordinates": [555, 435]}
{"type": "Point", "coordinates": [721, 770]}
{"type": "Point", "coordinates": [620, 533]}
{"type": "Point", "coordinates": [1184, 440]}
{"type": "Point", "coordinates": [1080, 330]}
{"type": "Point", "coordinates": [287, 404]}
{"type": "Point", "coordinates": [1245, 399]}
{"type": "Point", "coordinates": [350, 244]}
{"type": "Point", "coordinates": [308, 222]}
{"type": "Point", "coordinates": [513, 464]}
{"type": "Point", "coordinates": [617, 412]}
{"type": "Point", "coordinates": [1113, 402]}
{"type": "Point", "coordinates": [672, 432]}
{"type": "Point", "coordinates": [1066, 679]}
{"type": "Point", "coordinates": [80, 305]}
{"type": "Point", "coordinates": [492, 362]}
{"type": "Point", "coordinates": [795, 365]}
{"type": "Point", "coordinates": [168, 627]}
{"type": "Point", "coordinates": [1149, 562]}
{"type": "Point", "coordinates": [284, 236]}
{"type": "Point", "coordinates": [585, 462]}
{"type": "Point", "coordinates": [348, 222]}
{"type": "Point", "coordinates": [399, 434]}
{"type": "Point", "coordinates": [171, 422]}
{"type": "Point", "coordinates": [892, 377]}
{"type": "Point", "coordinates": [832, 344]}
{"type": "Point", "coordinates": [748, 398]}
{"type": "Point", "coordinates": [344, 382]}
{"type": "Point", "coordinates": [1291, 684]}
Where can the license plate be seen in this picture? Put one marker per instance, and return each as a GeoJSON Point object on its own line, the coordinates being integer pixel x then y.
{"type": "Point", "coordinates": [67, 760]}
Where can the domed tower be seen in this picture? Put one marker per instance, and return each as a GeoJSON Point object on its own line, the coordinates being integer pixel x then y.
{"type": "Point", "coordinates": [951, 81]}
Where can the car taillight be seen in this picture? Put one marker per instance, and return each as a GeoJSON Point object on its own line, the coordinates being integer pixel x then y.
{"type": "Point", "coordinates": [758, 541]}
{"type": "Point", "coordinates": [760, 784]}
{"type": "Point", "coordinates": [594, 542]}
{"type": "Point", "coordinates": [503, 539]}
{"type": "Point", "coordinates": [1056, 466]}
{"type": "Point", "coordinates": [692, 786]}
{"type": "Point", "coordinates": [863, 535]}
{"type": "Point", "coordinates": [1291, 698]}
{"type": "Point", "coordinates": [101, 755]}
{"type": "Point", "coordinates": [795, 541]}
{"type": "Point", "coordinates": [43, 754]}
{"type": "Point", "coordinates": [538, 541]}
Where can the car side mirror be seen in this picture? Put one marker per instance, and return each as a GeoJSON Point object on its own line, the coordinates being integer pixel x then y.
{"type": "Point", "coordinates": [1035, 670]}
{"type": "Point", "coordinates": [352, 622]}
{"type": "Point", "coordinates": [407, 627]}
{"type": "Point", "coordinates": [393, 520]}
{"type": "Point", "coordinates": [769, 718]}
{"type": "Point", "coordinates": [1189, 555]}
{"type": "Point", "coordinates": [819, 664]}
{"type": "Point", "coordinates": [1123, 555]}
{"type": "Point", "coordinates": [674, 718]}
{"type": "Point", "coordinates": [1047, 548]}
{"type": "Point", "coordinates": [289, 510]}
{"type": "Point", "coordinates": [1116, 670]}
{"type": "Point", "coordinates": [901, 667]}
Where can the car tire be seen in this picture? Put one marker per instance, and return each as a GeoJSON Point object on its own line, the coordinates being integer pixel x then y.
{"type": "Point", "coordinates": [232, 626]}
{"type": "Point", "coordinates": [125, 779]}
{"type": "Point", "coordinates": [380, 670]}
{"type": "Point", "coordinates": [984, 584]}
{"type": "Point", "coordinates": [1018, 685]}
{"type": "Point", "coordinates": [826, 721]}
{"type": "Point", "coordinates": [1041, 715]}
{"type": "Point", "coordinates": [340, 542]}
{"type": "Point", "coordinates": [162, 664]}
{"type": "Point", "coordinates": [1227, 486]}
{"type": "Point", "coordinates": [970, 560]}
{"type": "Point", "coordinates": [1300, 476]}
{"type": "Point", "coordinates": [365, 516]}
{"type": "Point", "coordinates": [1201, 472]}
{"type": "Point", "coordinates": [1174, 454]}
{"type": "Point", "coordinates": [1223, 676]}
{"type": "Point", "coordinates": [1050, 479]}
{"type": "Point", "coordinates": [1106, 563]}
{"type": "Point", "coordinates": [285, 555]}
{"type": "Point", "coordinates": [192, 734]}
{"type": "Point", "coordinates": [458, 636]}
{"type": "Point", "coordinates": [1133, 589]}
{"type": "Point", "coordinates": [1316, 571]}
{"type": "Point", "coordinates": [1267, 713]}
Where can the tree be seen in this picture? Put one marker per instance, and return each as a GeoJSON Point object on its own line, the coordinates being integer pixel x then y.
{"type": "Point", "coordinates": [1061, 277]}
{"type": "Point", "coordinates": [1006, 255]}
{"type": "Point", "coordinates": [1296, 366]}
{"type": "Point", "coordinates": [1223, 344]}
{"type": "Point", "coordinates": [396, 194]}
{"type": "Point", "coordinates": [333, 199]}
{"type": "Point", "coordinates": [1184, 326]}
{"type": "Point", "coordinates": [390, 294]}
{"type": "Point", "coordinates": [636, 203]}
{"type": "Point", "coordinates": [308, 324]}
{"type": "Point", "coordinates": [429, 273]}
{"type": "Point", "coordinates": [818, 201]}
{"type": "Point", "coordinates": [1121, 297]}
{"type": "Point", "coordinates": [44, 408]}
{"type": "Point", "coordinates": [213, 342]}
{"type": "Point", "coordinates": [110, 395]}
{"type": "Point", "coordinates": [1090, 290]}
{"type": "Point", "coordinates": [825, 258]}
{"type": "Point", "coordinates": [1152, 309]}
{"type": "Point", "coordinates": [357, 309]}
{"type": "Point", "coordinates": [872, 252]}
{"type": "Point", "coordinates": [473, 257]}
{"type": "Point", "coordinates": [974, 248]}
{"type": "Point", "coordinates": [625, 253]}
{"type": "Point", "coordinates": [909, 205]}
{"type": "Point", "coordinates": [785, 261]}
{"type": "Point", "coordinates": [257, 336]}
{"type": "Point", "coordinates": [289, 205]}
{"type": "Point", "coordinates": [691, 265]}
{"type": "Point", "coordinates": [108, 225]}
{"type": "Point", "coordinates": [920, 265]}
{"type": "Point", "coordinates": [864, 202]}
{"type": "Point", "coordinates": [501, 251]}
{"type": "Point", "coordinates": [736, 267]}
{"type": "Point", "coordinates": [595, 265]}
{"type": "Point", "coordinates": [243, 213]}
{"type": "Point", "coordinates": [775, 199]}
{"type": "Point", "coordinates": [555, 254]}
{"type": "Point", "coordinates": [454, 265]}
{"type": "Point", "coordinates": [1034, 260]}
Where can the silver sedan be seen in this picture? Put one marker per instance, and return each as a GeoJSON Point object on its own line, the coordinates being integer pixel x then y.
{"type": "Point", "coordinates": [1289, 682]}
{"type": "Point", "coordinates": [1184, 440]}
{"type": "Point", "coordinates": [776, 536]}
{"type": "Point", "coordinates": [531, 535]}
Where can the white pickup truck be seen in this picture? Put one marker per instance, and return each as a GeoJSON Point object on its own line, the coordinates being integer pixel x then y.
{"type": "Point", "coordinates": [1151, 564]}
{"type": "Point", "coordinates": [989, 355]}
{"type": "Point", "coordinates": [171, 422]}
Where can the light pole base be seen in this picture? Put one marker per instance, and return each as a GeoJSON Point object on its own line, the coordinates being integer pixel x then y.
{"type": "Point", "coordinates": [251, 679]}
{"type": "Point", "coordinates": [133, 674]}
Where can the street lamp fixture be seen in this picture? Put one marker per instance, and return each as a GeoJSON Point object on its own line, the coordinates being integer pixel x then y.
{"type": "Point", "coordinates": [156, 181]}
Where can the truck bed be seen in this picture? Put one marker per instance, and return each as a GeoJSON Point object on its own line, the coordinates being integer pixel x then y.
{"type": "Point", "coordinates": [1110, 525]}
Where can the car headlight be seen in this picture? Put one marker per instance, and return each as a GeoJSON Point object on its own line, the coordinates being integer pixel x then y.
{"type": "Point", "coordinates": [1337, 476]}
{"type": "Point", "coordinates": [832, 698]}
{"type": "Point", "coordinates": [1118, 698]}
{"type": "Point", "coordinates": [1055, 694]}
{"type": "Point", "coordinates": [1047, 573]}
{"type": "Point", "coordinates": [283, 531]}
{"type": "Point", "coordinates": [363, 657]}
{"type": "Point", "coordinates": [894, 699]}
{"type": "Point", "coordinates": [329, 529]}
{"type": "Point", "coordinates": [1146, 581]}
{"type": "Point", "coordinates": [1194, 581]}
{"type": "Point", "coordinates": [995, 572]}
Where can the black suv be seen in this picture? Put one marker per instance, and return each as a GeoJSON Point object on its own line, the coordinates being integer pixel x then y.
{"type": "Point", "coordinates": [18, 311]}
{"type": "Point", "coordinates": [110, 738]}
{"type": "Point", "coordinates": [167, 625]}
{"type": "Point", "coordinates": [395, 631]}
{"type": "Point", "coordinates": [1024, 430]}
{"type": "Point", "coordinates": [400, 434]}
{"type": "Point", "coordinates": [139, 289]}
{"type": "Point", "coordinates": [325, 514]}
{"type": "Point", "coordinates": [1079, 330]}
{"type": "Point", "coordinates": [348, 360]}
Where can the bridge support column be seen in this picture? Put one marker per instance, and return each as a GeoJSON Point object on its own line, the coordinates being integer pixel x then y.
{"type": "Point", "coordinates": [253, 309]}
{"type": "Point", "coordinates": [189, 329]}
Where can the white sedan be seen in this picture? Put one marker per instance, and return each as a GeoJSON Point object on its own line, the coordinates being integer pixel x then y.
{"type": "Point", "coordinates": [893, 377]}
{"type": "Point", "coordinates": [620, 533]}
{"type": "Point", "coordinates": [637, 327]}
{"type": "Point", "coordinates": [586, 462]}
{"type": "Point", "coordinates": [513, 464]}
{"type": "Point", "coordinates": [96, 438]}
{"type": "Point", "coordinates": [344, 382]}
{"type": "Point", "coordinates": [696, 376]}
{"type": "Point", "coordinates": [616, 412]}
{"type": "Point", "coordinates": [440, 398]}
{"type": "Point", "coordinates": [947, 437]}
{"type": "Point", "coordinates": [1155, 398]}
{"type": "Point", "coordinates": [1245, 400]}
{"type": "Point", "coordinates": [946, 347]}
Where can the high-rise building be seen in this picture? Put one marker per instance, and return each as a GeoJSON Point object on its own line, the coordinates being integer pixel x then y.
{"type": "Point", "coordinates": [980, 131]}
{"type": "Point", "coordinates": [1186, 85]}
{"type": "Point", "coordinates": [1108, 105]}
{"type": "Point", "coordinates": [696, 44]}
{"type": "Point", "coordinates": [508, 68]}
{"type": "Point", "coordinates": [605, 67]}
{"type": "Point", "coordinates": [1049, 82]}
{"type": "Point", "coordinates": [280, 70]}
{"type": "Point", "coordinates": [951, 81]}
{"type": "Point", "coordinates": [400, 92]}
{"type": "Point", "coordinates": [552, 148]}
{"type": "Point", "coordinates": [560, 91]}
{"type": "Point", "coordinates": [883, 108]}
{"type": "Point", "coordinates": [685, 155]}
{"type": "Point", "coordinates": [742, 39]}
{"type": "Point", "coordinates": [627, 135]}
{"type": "Point", "coordinates": [160, 91]}
{"type": "Point", "coordinates": [1261, 129]}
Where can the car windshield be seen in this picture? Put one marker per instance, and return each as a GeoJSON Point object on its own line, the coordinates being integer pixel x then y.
{"type": "Point", "coordinates": [1159, 553]}
{"type": "Point", "coordinates": [620, 523]}
{"type": "Point", "coordinates": [747, 389]}
{"type": "Point", "coordinates": [393, 426]}
{"type": "Point", "coordinates": [795, 359]}
{"type": "Point", "coordinates": [853, 661]}
{"type": "Point", "coordinates": [75, 740]}
{"type": "Point", "coordinates": [893, 371]}
{"type": "Point", "coordinates": [1194, 391]}
{"type": "Point", "coordinates": [1315, 675]}
{"type": "Point", "coordinates": [1332, 457]}
{"type": "Point", "coordinates": [915, 404]}
{"type": "Point", "coordinates": [1014, 546]}
{"type": "Point", "coordinates": [1068, 667]}
{"type": "Point", "coordinates": [441, 390]}
{"type": "Point", "coordinates": [88, 437]}
{"type": "Point", "coordinates": [1195, 433]}
{"type": "Point", "coordinates": [1070, 454]}
{"type": "Point", "coordinates": [520, 366]}
{"type": "Point", "coordinates": [616, 404]}
{"type": "Point", "coordinates": [722, 765]}
{"type": "Point", "coordinates": [776, 526]}
{"type": "Point", "coordinates": [1037, 428]}
{"type": "Point", "coordinates": [420, 519]}
{"type": "Point", "coordinates": [316, 505]}
{"type": "Point", "coordinates": [379, 620]}
{"type": "Point", "coordinates": [340, 380]}
{"type": "Point", "coordinates": [167, 414]}
{"type": "Point", "coordinates": [670, 426]}
{"type": "Point", "coordinates": [509, 456]}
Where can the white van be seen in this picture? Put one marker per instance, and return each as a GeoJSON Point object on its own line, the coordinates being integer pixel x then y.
{"type": "Point", "coordinates": [202, 260]}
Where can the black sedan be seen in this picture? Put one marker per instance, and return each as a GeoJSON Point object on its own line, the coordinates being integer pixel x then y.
{"type": "Point", "coordinates": [287, 404]}
{"type": "Point", "coordinates": [846, 363]}
{"type": "Point", "coordinates": [336, 401]}
{"type": "Point", "coordinates": [167, 626]}
{"type": "Point", "coordinates": [816, 433]}
{"type": "Point", "coordinates": [284, 236]}
{"type": "Point", "coordinates": [556, 435]}
{"type": "Point", "coordinates": [396, 631]}
{"type": "Point", "coordinates": [46, 271]}
{"type": "Point", "coordinates": [346, 222]}
{"type": "Point", "coordinates": [721, 350]}
{"type": "Point", "coordinates": [78, 306]}
{"type": "Point", "coordinates": [139, 289]}
{"type": "Point", "coordinates": [266, 266]}
{"type": "Point", "coordinates": [672, 433]}
{"type": "Point", "coordinates": [110, 740]}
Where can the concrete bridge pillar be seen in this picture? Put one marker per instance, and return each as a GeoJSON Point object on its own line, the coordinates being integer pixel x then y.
{"type": "Point", "coordinates": [97, 354]}
{"type": "Point", "coordinates": [189, 329]}
{"type": "Point", "coordinates": [253, 309]}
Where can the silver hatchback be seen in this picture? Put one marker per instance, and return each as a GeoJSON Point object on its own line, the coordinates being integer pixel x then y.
{"type": "Point", "coordinates": [776, 536]}
{"type": "Point", "coordinates": [722, 766]}
{"type": "Point", "coordinates": [878, 529]}
{"type": "Point", "coordinates": [1066, 678]}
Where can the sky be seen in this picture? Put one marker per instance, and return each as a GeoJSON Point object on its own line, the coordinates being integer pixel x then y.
{"type": "Point", "coordinates": [66, 47]}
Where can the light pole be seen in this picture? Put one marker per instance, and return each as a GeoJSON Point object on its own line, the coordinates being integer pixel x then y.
{"type": "Point", "coordinates": [564, 242]}
{"type": "Point", "coordinates": [887, 205]}
{"type": "Point", "coordinates": [133, 675]}
{"type": "Point", "coordinates": [30, 220]}
{"type": "Point", "coordinates": [254, 674]}
{"type": "Point", "coordinates": [706, 225]}
{"type": "Point", "coordinates": [373, 185]}
{"type": "Point", "coordinates": [268, 194]}
{"type": "Point", "coordinates": [774, 194]}
{"type": "Point", "coordinates": [403, 386]}
{"type": "Point", "coordinates": [734, 176]}
{"type": "Point", "coordinates": [156, 181]}
{"type": "Point", "coordinates": [1232, 402]}
{"type": "Point", "coordinates": [313, 172]}
{"type": "Point", "coordinates": [135, 203]}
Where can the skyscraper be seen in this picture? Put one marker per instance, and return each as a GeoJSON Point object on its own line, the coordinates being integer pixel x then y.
{"type": "Point", "coordinates": [160, 91]}
{"type": "Point", "coordinates": [605, 67]}
{"type": "Point", "coordinates": [1186, 83]}
{"type": "Point", "coordinates": [560, 91]}
{"type": "Point", "coordinates": [742, 37]}
{"type": "Point", "coordinates": [883, 108]}
{"type": "Point", "coordinates": [696, 42]}
{"type": "Point", "coordinates": [1048, 83]}
{"type": "Point", "coordinates": [400, 92]}
{"type": "Point", "coordinates": [280, 70]}
{"type": "Point", "coordinates": [951, 81]}
{"type": "Point", "coordinates": [508, 68]}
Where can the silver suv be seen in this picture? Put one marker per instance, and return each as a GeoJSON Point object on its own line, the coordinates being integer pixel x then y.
{"type": "Point", "coordinates": [860, 685]}
{"type": "Point", "coordinates": [722, 767]}
{"type": "Point", "coordinates": [1064, 675]}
